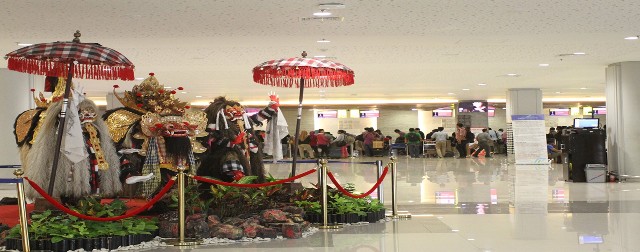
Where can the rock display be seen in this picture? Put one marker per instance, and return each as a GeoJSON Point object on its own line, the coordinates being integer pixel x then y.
{"type": "Point", "coordinates": [269, 223]}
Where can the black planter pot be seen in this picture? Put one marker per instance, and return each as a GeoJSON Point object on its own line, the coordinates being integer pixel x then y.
{"type": "Point", "coordinates": [113, 242]}
{"type": "Point", "coordinates": [60, 246]}
{"type": "Point", "coordinates": [352, 218]}
{"type": "Point", "coordinates": [340, 218]}
{"type": "Point", "coordinates": [102, 242]}
{"type": "Point", "coordinates": [10, 243]}
{"type": "Point", "coordinates": [372, 217]}
{"type": "Point", "coordinates": [75, 244]}
{"type": "Point", "coordinates": [40, 244]}
{"type": "Point", "coordinates": [89, 244]}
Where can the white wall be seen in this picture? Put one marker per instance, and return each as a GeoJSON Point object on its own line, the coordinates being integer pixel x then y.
{"type": "Point", "coordinates": [14, 99]}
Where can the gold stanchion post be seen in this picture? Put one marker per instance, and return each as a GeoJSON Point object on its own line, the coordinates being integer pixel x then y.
{"type": "Point", "coordinates": [181, 241]}
{"type": "Point", "coordinates": [325, 216]}
{"type": "Point", "coordinates": [22, 211]}
{"type": "Point", "coordinates": [394, 192]}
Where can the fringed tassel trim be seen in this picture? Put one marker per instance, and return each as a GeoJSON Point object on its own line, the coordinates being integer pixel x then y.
{"type": "Point", "coordinates": [313, 77]}
{"type": "Point", "coordinates": [61, 69]}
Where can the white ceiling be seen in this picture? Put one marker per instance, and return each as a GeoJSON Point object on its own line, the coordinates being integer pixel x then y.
{"type": "Point", "coordinates": [399, 49]}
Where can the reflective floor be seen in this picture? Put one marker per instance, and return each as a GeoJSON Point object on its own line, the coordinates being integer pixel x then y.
{"type": "Point", "coordinates": [475, 205]}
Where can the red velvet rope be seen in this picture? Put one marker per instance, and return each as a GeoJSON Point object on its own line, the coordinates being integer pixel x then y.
{"type": "Point", "coordinates": [217, 182]}
{"type": "Point", "coordinates": [345, 192]}
{"type": "Point", "coordinates": [63, 208]}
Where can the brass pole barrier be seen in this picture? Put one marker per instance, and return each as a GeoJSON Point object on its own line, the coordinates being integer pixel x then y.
{"type": "Point", "coordinates": [394, 191]}
{"type": "Point", "coordinates": [380, 187]}
{"type": "Point", "coordinates": [325, 215]}
{"type": "Point", "coordinates": [181, 211]}
{"type": "Point", "coordinates": [22, 211]}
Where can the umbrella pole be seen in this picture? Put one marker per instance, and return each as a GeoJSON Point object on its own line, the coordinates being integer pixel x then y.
{"type": "Point", "coordinates": [61, 124]}
{"type": "Point", "coordinates": [295, 143]}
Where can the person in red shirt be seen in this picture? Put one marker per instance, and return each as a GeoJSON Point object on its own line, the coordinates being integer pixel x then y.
{"type": "Point", "coordinates": [461, 140]}
{"type": "Point", "coordinates": [314, 143]}
{"type": "Point", "coordinates": [323, 144]}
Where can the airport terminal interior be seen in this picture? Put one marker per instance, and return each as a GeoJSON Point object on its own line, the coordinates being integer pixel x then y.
{"type": "Point", "coordinates": [522, 67]}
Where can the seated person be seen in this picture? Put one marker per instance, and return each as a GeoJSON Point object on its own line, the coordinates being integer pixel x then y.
{"type": "Point", "coordinates": [552, 151]}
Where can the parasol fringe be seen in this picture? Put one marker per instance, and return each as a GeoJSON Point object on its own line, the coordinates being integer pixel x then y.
{"type": "Point", "coordinates": [60, 69]}
{"type": "Point", "coordinates": [314, 77]}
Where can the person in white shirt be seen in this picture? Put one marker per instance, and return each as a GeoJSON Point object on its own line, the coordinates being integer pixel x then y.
{"type": "Point", "coordinates": [494, 139]}
{"type": "Point", "coordinates": [441, 141]}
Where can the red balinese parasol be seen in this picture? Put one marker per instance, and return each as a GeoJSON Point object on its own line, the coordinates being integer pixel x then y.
{"type": "Point", "coordinates": [60, 59]}
{"type": "Point", "coordinates": [302, 72]}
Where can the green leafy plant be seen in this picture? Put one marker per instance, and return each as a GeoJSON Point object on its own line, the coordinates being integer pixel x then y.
{"type": "Point", "coordinates": [91, 206]}
{"type": "Point", "coordinates": [310, 206]}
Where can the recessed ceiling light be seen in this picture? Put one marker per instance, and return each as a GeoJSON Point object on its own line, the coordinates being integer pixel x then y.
{"type": "Point", "coordinates": [414, 109]}
{"type": "Point", "coordinates": [558, 92]}
{"type": "Point", "coordinates": [183, 92]}
{"type": "Point", "coordinates": [471, 239]}
{"type": "Point", "coordinates": [454, 230]}
{"type": "Point", "coordinates": [139, 78]}
{"type": "Point", "coordinates": [167, 87]}
{"type": "Point", "coordinates": [322, 13]}
{"type": "Point", "coordinates": [512, 74]}
{"type": "Point", "coordinates": [198, 96]}
{"type": "Point", "coordinates": [320, 56]}
{"type": "Point", "coordinates": [24, 44]}
{"type": "Point", "coordinates": [543, 64]}
{"type": "Point", "coordinates": [583, 88]}
{"type": "Point", "coordinates": [482, 84]}
{"type": "Point", "coordinates": [324, 41]}
{"type": "Point", "coordinates": [632, 38]}
{"type": "Point", "coordinates": [579, 53]}
{"type": "Point", "coordinates": [465, 89]}
{"type": "Point", "coordinates": [450, 93]}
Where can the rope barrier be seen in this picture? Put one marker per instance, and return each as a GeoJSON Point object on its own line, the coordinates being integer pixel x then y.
{"type": "Point", "coordinates": [314, 161]}
{"type": "Point", "coordinates": [345, 192]}
{"type": "Point", "coordinates": [63, 208]}
{"type": "Point", "coordinates": [10, 166]}
{"type": "Point", "coordinates": [217, 182]}
{"type": "Point", "coordinates": [10, 180]}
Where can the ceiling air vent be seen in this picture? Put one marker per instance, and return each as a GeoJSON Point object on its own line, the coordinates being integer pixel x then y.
{"type": "Point", "coordinates": [321, 19]}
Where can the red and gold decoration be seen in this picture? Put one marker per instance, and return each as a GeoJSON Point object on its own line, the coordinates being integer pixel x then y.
{"type": "Point", "coordinates": [301, 73]}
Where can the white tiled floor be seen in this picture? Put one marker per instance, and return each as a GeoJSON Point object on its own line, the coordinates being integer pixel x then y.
{"type": "Point", "coordinates": [475, 205]}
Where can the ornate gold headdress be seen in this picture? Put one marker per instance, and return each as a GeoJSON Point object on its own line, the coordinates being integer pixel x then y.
{"type": "Point", "coordinates": [150, 96]}
{"type": "Point", "coordinates": [58, 93]}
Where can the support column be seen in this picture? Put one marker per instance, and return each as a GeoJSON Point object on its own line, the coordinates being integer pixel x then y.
{"type": "Point", "coordinates": [622, 90]}
{"type": "Point", "coordinates": [521, 101]}
{"type": "Point", "coordinates": [524, 101]}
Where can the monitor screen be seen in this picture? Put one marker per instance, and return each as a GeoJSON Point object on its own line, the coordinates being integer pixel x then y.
{"type": "Point", "coordinates": [328, 114]}
{"type": "Point", "coordinates": [473, 106]}
{"type": "Point", "coordinates": [442, 113]}
{"type": "Point", "coordinates": [582, 123]}
{"type": "Point", "coordinates": [600, 111]}
{"type": "Point", "coordinates": [369, 113]}
{"type": "Point", "coordinates": [590, 239]}
{"type": "Point", "coordinates": [559, 112]}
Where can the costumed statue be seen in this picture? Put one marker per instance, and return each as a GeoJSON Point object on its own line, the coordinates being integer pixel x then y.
{"type": "Point", "coordinates": [156, 134]}
{"type": "Point", "coordinates": [234, 150]}
{"type": "Point", "coordinates": [88, 164]}
{"type": "Point", "coordinates": [29, 122]}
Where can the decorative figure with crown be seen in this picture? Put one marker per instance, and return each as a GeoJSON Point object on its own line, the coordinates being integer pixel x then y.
{"type": "Point", "coordinates": [234, 150]}
{"type": "Point", "coordinates": [90, 164]}
{"type": "Point", "coordinates": [156, 134]}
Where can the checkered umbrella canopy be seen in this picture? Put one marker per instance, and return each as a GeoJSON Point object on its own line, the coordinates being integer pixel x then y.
{"type": "Point", "coordinates": [93, 61]}
{"type": "Point", "coordinates": [302, 73]}
{"type": "Point", "coordinates": [317, 73]}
